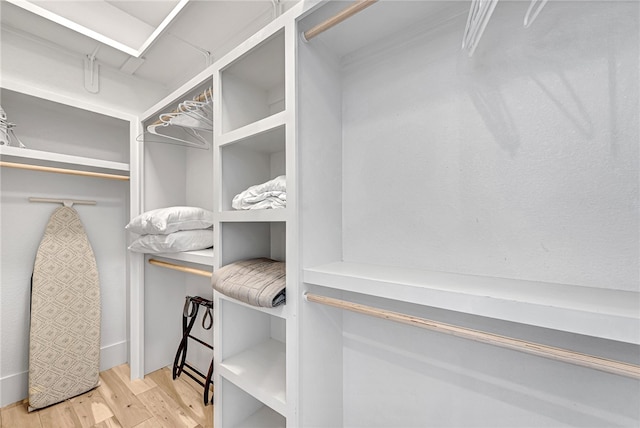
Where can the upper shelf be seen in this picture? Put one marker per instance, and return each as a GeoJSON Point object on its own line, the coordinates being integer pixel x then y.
{"type": "Point", "coordinates": [264, 135]}
{"type": "Point", "coordinates": [604, 313]}
{"type": "Point", "coordinates": [42, 158]}
{"type": "Point", "coordinates": [253, 85]}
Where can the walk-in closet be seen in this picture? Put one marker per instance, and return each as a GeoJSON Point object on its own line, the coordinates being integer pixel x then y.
{"type": "Point", "coordinates": [327, 213]}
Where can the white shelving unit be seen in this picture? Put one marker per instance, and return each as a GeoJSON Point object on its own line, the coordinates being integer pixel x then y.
{"type": "Point", "coordinates": [255, 142]}
{"type": "Point", "coordinates": [171, 175]}
{"type": "Point", "coordinates": [417, 181]}
{"type": "Point", "coordinates": [432, 184]}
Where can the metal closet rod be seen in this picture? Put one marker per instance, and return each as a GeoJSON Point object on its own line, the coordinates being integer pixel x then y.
{"type": "Point", "coordinates": [203, 97]}
{"type": "Point", "coordinates": [180, 268]}
{"type": "Point", "coordinates": [337, 18]}
{"type": "Point", "coordinates": [559, 354]}
{"type": "Point", "coordinates": [63, 171]}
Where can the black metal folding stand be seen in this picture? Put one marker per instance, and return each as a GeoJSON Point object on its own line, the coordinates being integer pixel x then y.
{"type": "Point", "coordinates": [189, 316]}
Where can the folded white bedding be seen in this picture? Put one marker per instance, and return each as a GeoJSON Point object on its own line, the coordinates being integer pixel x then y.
{"type": "Point", "coordinates": [176, 242]}
{"type": "Point", "coordinates": [272, 194]}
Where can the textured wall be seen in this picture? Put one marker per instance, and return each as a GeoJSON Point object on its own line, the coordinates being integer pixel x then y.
{"type": "Point", "coordinates": [521, 162]}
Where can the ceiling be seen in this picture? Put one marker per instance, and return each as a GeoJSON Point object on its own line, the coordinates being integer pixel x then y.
{"type": "Point", "coordinates": [201, 32]}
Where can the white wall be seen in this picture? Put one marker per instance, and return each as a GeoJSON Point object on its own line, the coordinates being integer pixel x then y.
{"type": "Point", "coordinates": [521, 162]}
{"type": "Point", "coordinates": [22, 225]}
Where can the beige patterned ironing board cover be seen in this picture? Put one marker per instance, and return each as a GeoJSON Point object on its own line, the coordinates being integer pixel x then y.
{"type": "Point", "coordinates": [64, 347]}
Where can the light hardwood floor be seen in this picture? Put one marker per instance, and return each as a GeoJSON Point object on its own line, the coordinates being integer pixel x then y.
{"type": "Point", "coordinates": [153, 402]}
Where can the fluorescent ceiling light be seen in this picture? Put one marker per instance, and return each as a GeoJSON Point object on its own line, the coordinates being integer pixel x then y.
{"type": "Point", "coordinates": [103, 21]}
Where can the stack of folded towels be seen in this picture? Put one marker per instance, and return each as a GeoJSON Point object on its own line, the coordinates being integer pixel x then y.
{"type": "Point", "coordinates": [258, 282]}
{"type": "Point", "coordinates": [272, 194]}
{"type": "Point", "coordinates": [172, 230]}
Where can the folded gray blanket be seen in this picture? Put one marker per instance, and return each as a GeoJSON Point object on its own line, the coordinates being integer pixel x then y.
{"type": "Point", "coordinates": [257, 282]}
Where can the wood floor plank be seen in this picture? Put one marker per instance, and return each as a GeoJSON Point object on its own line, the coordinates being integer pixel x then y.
{"type": "Point", "coordinates": [91, 408]}
{"type": "Point", "coordinates": [149, 423]}
{"type": "Point", "coordinates": [19, 416]}
{"type": "Point", "coordinates": [160, 402]}
{"type": "Point", "coordinates": [123, 403]}
{"type": "Point", "coordinates": [112, 422]}
{"type": "Point", "coordinates": [136, 386]}
{"type": "Point", "coordinates": [187, 396]}
{"type": "Point", "coordinates": [165, 409]}
{"type": "Point", "coordinates": [60, 415]}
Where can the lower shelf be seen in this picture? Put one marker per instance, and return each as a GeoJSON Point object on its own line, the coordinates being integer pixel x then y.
{"type": "Point", "coordinates": [261, 372]}
{"type": "Point", "coordinates": [202, 257]}
{"type": "Point", "coordinates": [264, 418]}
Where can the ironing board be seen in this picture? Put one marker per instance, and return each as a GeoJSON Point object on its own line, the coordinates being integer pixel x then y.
{"type": "Point", "coordinates": [64, 347]}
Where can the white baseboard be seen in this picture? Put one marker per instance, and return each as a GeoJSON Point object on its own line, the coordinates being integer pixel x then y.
{"type": "Point", "coordinates": [113, 355]}
{"type": "Point", "coordinates": [15, 387]}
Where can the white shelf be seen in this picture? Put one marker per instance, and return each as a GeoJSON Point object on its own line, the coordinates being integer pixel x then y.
{"type": "Point", "coordinates": [279, 311]}
{"type": "Point", "coordinates": [201, 257]}
{"type": "Point", "coordinates": [271, 124]}
{"type": "Point", "coordinates": [608, 314]}
{"type": "Point", "coordinates": [268, 215]}
{"type": "Point", "coordinates": [260, 371]}
{"type": "Point", "coordinates": [263, 418]}
{"type": "Point", "coordinates": [38, 157]}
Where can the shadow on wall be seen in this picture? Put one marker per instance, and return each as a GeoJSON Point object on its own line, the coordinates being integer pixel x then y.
{"type": "Point", "coordinates": [404, 367]}
{"type": "Point", "coordinates": [556, 74]}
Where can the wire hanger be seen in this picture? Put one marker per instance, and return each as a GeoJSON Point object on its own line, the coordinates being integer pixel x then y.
{"type": "Point", "coordinates": [479, 14]}
{"type": "Point", "coordinates": [528, 18]}
{"type": "Point", "coordinates": [192, 114]}
{"type": "Point", "coordinates": [177, 135]}
{"type": "Point", "coordinates": [7, 136]}
{"type": "Point", "coordinates": [185, 125]}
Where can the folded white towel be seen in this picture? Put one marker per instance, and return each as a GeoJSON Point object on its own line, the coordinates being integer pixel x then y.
{"type": "Point", "coordinates": [269, 195]}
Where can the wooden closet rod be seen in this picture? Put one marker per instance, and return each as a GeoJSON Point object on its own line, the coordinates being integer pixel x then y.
{"type": "Point", "coordinates": [63, 171]}
{"type": "Point", "coordinates": [567, 356]}
{"type": "Point", "coordinates": [338, 18]}
{"type": "Point", "coordinates": [206, 95]}
{"type": "Point", "coordinates": [180, 268]}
